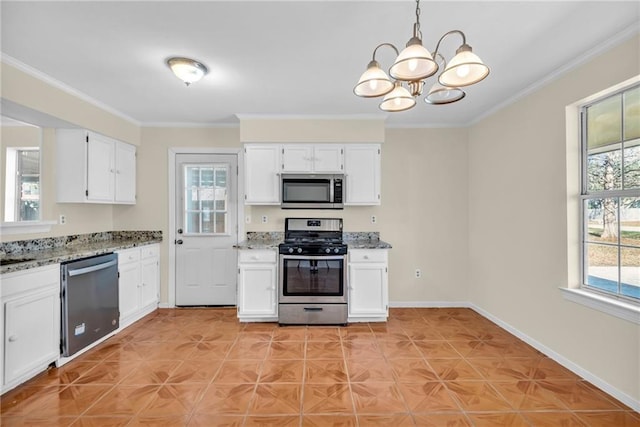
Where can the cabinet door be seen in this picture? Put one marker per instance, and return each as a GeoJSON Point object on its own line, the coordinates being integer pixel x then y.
{"type": "Point", "coordinates": [100, 168]}
{"type": "Point", "coordinates": [297, 158]}
{"type": "Point", "coordinates": [257, 290]}
{"type": "Point", "coordinates": [368, 293]}
{"type": "Point", "coordinates": [261, 172]}
{"type": "Point", "coordinates": [129, 289]}
{"type": "Point", "coordinates": [32, 333]}
{"type": "Point", "coordinates": [150, 281]}
{"type": "Point", "coordinates": [125, 176]}
{"type": "Point", "coordinates": [362, 170]}
{"type": "Point", "coordinates": [328, 158]}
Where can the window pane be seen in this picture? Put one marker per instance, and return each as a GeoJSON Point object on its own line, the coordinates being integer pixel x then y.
{"type": "Point", "coordinates": [208, 225]}
{"type": "Point", "coordinates": [602, 267]}
{"type": "Point", "coordinates": [221, 223]}
{"type": "Point", "coordinates": [602, 220]}
{"type": "Point", "coordinates": [632, 113]}
{"type": "Point", "coordinates": [630, 221]}
{"type": "Point", "coordinates": [28, 185]}
{"type": "Point", "coordinates": [632, 164]}
{"type": "Point", "coordinates": [604, 122]}
{"type": "Point", "coordinates": [630, 272]}
{"type": "Point", "coordinates": [192, 222]}
{"type": "Point", "coordinates": [604, 171]}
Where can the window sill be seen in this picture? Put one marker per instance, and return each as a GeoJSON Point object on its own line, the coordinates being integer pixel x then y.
{"type": "Point", "coordinates": [25, 227]}
{"type": "Point", "coordinates": [611, 306]}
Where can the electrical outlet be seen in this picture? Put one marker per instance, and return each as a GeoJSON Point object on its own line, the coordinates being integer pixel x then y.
{"type": "Point", "coordinates": [63, 219]}
{"type": "Point", "coordinates": [247, 219]}
{"type": "Point", "coordinates": [265, 219]}
{"type": "Point", "coordinates": [418, 273]}
{"type": "Point", "coordinates": [373, 219]}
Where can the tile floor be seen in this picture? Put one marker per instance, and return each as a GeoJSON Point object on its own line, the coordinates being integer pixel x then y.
{"type": "Point", "coordinates": [200, 367]}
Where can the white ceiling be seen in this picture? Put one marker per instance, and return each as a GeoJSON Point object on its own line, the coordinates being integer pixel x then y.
{"type": "Point", "coordinates": [294, 57]}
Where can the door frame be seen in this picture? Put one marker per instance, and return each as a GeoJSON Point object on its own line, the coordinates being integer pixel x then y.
{"type": "Point", "coordinates": [171, 235]}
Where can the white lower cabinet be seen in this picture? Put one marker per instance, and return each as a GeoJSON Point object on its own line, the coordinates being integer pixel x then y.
{"type": "Point", "coordinates": [31, 330]}
{"type": "Point", "coordinates": [139, 282]}
{"type": "Point", "coordinates": [368, 285]}
{"type": "Point", "coordinates": [257, 286]}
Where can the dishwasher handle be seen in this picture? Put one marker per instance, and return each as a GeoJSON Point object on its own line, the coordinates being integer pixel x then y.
{"type": "Point", "coordinates": [90, 269]}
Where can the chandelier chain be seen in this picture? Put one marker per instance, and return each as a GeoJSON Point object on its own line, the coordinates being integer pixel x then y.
{"type": "Point", "coordinates": [417, 31]}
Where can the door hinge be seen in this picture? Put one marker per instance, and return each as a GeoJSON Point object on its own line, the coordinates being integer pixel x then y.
{"type": "Point", "coordinates": [378, 151]}
{"type": "Point", "coordinates": [87, 138]}
{"type": "Point", "coordinates": [86, 193]}
{"type": "Point", "coordinates": [118, 274]}
{"type": "Point", "coordinates": [378, 197]}
{"type": "Point", "coordinates": [237, 170]}
{"type": "Point", "coordinates": [385, 270]}
{"type": "Point", "coordinates": [245, 197]}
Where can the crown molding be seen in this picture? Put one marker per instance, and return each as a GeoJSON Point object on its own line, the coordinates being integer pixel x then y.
{"type": "Point", "coordinates": [33, 72]}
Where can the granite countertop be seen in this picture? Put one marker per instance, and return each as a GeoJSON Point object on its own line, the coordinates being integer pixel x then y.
{"type": "Point", "coordinates": [39, 252]}
{"type": "Point", "coordinates": [271, 240]}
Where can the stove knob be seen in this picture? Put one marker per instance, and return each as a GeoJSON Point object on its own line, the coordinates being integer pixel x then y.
{"type": "Point", "coordinates": [328, 250]}
{"type": "Point", "coordinates": [299, 250]}
{"type": "Point", "coordinates": [290, 250]}
{"type": "Point", "coordinates": [336, 250]}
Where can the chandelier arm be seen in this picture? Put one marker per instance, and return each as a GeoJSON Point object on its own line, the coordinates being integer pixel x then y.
{"type": "Point", "coordinates": [384, 44]}
{"type": "Point", "coordinates": [464, 40]}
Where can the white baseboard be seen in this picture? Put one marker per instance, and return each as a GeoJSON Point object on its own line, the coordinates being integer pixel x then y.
{"type": "Point", "coordinates": [165, 305]}
{"type": "Point", "coordinates": [573, 367]}
{"type": "Point", "coordinates": [429, 304]}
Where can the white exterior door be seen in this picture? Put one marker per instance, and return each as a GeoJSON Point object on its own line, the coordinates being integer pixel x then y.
{"type": "Point", "coordinates": [206, 222]}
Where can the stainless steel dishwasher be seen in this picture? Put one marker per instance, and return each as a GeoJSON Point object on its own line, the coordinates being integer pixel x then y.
{"type": "Point", "coordinates": [89, 291]}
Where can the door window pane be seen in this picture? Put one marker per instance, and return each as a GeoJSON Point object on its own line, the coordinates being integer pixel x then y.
{"type": "Point", "coordinates": [602, 267]}
{"type": "Point", "coordinates": [206, 198]}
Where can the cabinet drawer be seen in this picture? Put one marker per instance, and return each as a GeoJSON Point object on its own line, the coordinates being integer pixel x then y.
{"type": "Point", "coordinates": [128, 255]}
{"type": "Point", "coordinates": [150, 251]}
{"type": "Point", "coordinates": [257, 256]}
{"type": "Point", "coordinates": [375, 255]}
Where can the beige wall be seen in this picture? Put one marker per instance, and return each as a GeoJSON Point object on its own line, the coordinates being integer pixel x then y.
{"type": "Point", "coordinates": [518, 225]}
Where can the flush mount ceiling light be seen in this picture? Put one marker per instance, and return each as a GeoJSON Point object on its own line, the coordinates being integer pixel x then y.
{"type": "Point", "coordinates": [187, 70]}
{"type": "Point", "coordinates": [415, 64]}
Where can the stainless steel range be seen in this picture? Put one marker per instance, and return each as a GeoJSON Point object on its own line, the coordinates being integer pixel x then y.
{"type": "Point", "coordinates": [313, 273]}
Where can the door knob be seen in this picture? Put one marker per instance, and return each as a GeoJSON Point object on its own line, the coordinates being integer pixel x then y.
{"type": "Point", "coordinates": [179, 230]}
{"type": "Point", "coordinates": [179, 242]}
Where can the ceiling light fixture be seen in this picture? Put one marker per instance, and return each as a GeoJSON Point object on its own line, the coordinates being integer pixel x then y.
{"type": "Point", "coordinates": [415, 64]}
{"type": "Point", "coordinates": [187, 70]}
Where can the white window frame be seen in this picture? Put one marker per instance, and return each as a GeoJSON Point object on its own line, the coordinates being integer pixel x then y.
{"type": "Point", "coordinates": [573, 291]}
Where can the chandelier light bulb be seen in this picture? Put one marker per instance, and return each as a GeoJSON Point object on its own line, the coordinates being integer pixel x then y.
{"type": "Point", "coordinates": [463, 71]}
{"type": "Point", "coordinates": [373, 82]}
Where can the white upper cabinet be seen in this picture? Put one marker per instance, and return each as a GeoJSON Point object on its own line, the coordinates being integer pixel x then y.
{"type": "Point", "coordinates": [307, 158]}
{"type": "Point", "coordinates": [362, 174]}
{"type": "Point", "coordinates": [93, 168]}
{"type": "Point", "coordinates": [262, 174]}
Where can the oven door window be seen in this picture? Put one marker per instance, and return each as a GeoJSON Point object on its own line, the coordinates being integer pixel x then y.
{"type": "Point", "coordinates": [306, 190]}
{"type": "Point", "coordinates": [313, 277]}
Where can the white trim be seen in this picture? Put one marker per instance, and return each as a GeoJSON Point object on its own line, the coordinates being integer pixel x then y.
{"type": "Point", "coordinates": [577, 369]}
{"type": "Point", "coordinates": [617, 39]}
{"type": "Point", "coordinates": [376, 117]}
{"type": "Point", "coordinates": [25, 227]}
{"type": "Point", "coordinates": [33, 72]}
{"type": "Point", "coordinates": [172, 152]}
{"type": "Point", "coordinates": [190, 125]}
{"type": "Point", "coordinates": [430, 304]}
{"type": "Point", "coordinates": [611, 306]}
{"type": "Point", "coordinates": [573, 367]}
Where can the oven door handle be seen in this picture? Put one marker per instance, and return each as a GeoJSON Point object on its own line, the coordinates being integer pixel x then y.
{"type": "Point", "coordinates": [321, 257]}
{"type": "Point", "coordinates": [313, 309]}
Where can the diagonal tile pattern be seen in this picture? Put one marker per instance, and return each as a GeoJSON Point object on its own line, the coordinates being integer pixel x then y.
{"type": "Point", "coordinates": [424, 367]}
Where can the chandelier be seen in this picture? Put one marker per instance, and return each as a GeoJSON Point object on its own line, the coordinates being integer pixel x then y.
{"type": "Point", "coordinates": [415, 64]}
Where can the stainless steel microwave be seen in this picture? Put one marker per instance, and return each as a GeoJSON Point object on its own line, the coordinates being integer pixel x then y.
{"type": "Point", "coordinates": [312, 191]}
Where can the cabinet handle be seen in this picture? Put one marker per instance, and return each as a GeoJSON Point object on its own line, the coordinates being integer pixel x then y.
{"type": "Point", "coordinates": [13, 338]}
